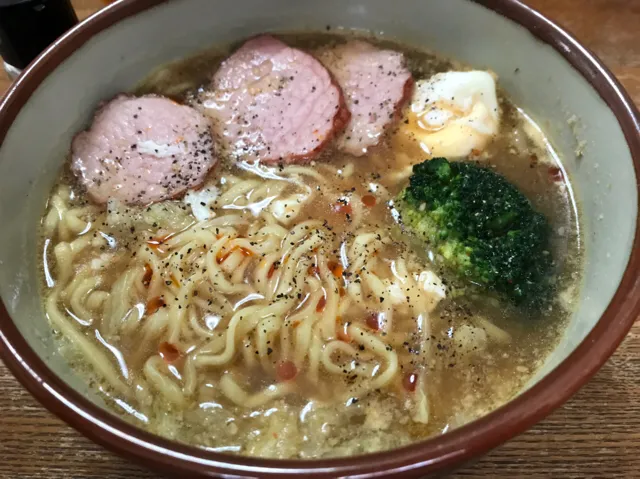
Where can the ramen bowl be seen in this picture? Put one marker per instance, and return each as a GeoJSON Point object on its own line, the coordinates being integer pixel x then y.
{"type": "Point", "coordinates": [585, 112]}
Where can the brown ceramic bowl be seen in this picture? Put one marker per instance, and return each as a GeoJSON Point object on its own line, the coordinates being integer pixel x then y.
{"type": "Point", "coordinates": [541, 66]}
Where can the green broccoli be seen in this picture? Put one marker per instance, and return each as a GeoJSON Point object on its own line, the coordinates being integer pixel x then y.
{"type": "Point", "coordinates": [484, 227]}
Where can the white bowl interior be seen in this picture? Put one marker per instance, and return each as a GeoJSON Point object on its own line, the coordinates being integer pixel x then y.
{"type": "Point", "coordinates": [547, 87]}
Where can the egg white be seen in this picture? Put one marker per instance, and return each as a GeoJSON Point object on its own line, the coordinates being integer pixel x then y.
{"type": "Point", "coordinates": [201, 202]}
{"type": "Point", "coordinates": [453, 114]}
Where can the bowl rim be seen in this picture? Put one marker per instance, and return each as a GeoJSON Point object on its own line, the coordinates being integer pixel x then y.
{"type": "Point", "coordinates": [428, 456]}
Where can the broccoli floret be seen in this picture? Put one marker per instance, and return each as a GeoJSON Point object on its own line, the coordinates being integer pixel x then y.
{"type": "Point", "coordinates": [484, 227]}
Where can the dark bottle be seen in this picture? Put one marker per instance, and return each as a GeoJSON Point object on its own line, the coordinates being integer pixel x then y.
{"type": "Point", "coordinates": [27, 27]}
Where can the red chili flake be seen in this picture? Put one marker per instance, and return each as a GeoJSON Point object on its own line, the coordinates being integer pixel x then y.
{"type": "Point", "coordinates": [410, 381]}
{"type": "Point", "coordinates": [313, 270]}
{"type": "Point", "coordinates": [369, 201]}
{"type": "Point", "coordinates": [272, 270]}
{"type": "Point", "coordinates": [286, 370]}
{"type": "Point", "coordinates": [555, 174]}
{"type": "Point", "coordinates": [343, 331]}
{"type": "Point", "coordinates": [154, 304]}
{"type": "Point", "coordinates": [222, 257]}
{"type": "Point", "coordinates": [168, 352]}
{"type": "Point", "coordinates": [148, 273]}
{"type": "Point", "coordinates": [156, 242]}
{"type": "Point", "coordinates": [321, 304]}
{"type": "Point", "coordinates": [373, 321]}
{"type": "Point", "coordinates": [342, 207]}
{"type": "Point", "coordinates": [342, 292]}
{"type": "Point", "coordinates": [336, 268]}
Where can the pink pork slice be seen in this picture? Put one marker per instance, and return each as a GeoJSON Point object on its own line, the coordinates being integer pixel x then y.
{"type": "Point", "coordinates": [140, 150]}
{"type": "Point", "coordinates": [273, 103]}
{"type": "Point", "coordinates": [376, 85]}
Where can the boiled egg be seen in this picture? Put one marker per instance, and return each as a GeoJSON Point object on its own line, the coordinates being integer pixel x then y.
{"type": "Point", "coordinates": [452, 114]}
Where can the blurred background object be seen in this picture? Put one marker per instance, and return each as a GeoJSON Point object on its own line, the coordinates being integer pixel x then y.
{"type": "Point", "coordinates": [27, 27]}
